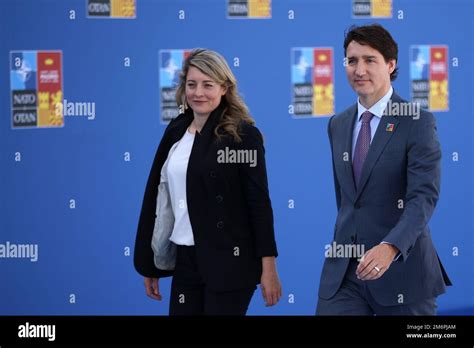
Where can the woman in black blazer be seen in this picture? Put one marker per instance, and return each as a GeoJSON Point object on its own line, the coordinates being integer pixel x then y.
{"type": "Point", "coordinates": [213, 200]}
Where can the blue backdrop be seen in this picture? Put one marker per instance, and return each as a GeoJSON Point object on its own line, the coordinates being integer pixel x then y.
{"type": "Point", "coordinates": [76, 191]}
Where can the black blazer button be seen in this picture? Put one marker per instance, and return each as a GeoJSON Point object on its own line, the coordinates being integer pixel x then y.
{"type": "Point", "coordinates": [220, 224]}
{"type": "Point", "coordinates": [219, 198]}
{"type": "Point", "coordinates": [212, 174]}
{"type": "Point", "coordinates": [357, 205]}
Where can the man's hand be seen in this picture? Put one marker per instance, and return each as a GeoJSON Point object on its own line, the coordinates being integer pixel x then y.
{"type": "Point", "coordinates": [376, 261]}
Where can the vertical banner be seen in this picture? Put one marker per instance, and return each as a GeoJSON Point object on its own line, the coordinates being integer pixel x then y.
{"type": "Point", "coordinates": [50, 91]}
{"type": "Point", "coordinates": [36, 85]}
{"type": "Point", "coordinates": [312, 79]}
{"type": "Point", "coordinates": [429, 77]}
{"type": "Point", "coordinates": [170, 62]}
{"type": "Point", "coordinates": [439, 78]}
{"type": "Point", "coordinates": [323, 97]}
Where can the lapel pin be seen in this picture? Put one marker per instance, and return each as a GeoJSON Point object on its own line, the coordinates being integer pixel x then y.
{"type": "Point", "coordinates": [389, 127]}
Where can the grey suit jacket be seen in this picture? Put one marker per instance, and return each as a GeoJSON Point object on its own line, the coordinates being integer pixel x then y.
{"type": "Point", "coordinates": [397, 194]}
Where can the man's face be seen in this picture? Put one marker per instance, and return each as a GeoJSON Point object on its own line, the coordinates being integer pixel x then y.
{"type": "Point", "coordinates": [367, 72]}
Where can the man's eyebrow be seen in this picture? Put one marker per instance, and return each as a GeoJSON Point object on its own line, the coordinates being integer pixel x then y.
{"type": "Point", "coordinates": [365, 57]}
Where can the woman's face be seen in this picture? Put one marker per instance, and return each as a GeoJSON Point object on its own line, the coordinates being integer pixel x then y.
{"type": "Point", "coordinates": [202, 93]}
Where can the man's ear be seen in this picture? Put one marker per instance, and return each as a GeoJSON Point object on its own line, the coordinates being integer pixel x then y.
{"type": "Point", "coordinates": [392, 64]}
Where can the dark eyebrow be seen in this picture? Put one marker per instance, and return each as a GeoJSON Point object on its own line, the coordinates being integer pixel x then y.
{"type": "Point", "coordinates": [365, 57]}
{"type": "Point", "coordinates": [202, 81]}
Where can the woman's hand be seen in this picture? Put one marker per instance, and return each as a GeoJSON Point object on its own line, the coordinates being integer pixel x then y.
{"type": "Point", "coordinates": [270, 282]}
{"type": "Point", "coordinates": [152, 288]}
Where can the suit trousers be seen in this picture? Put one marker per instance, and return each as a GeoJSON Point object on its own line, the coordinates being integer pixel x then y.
{"type": "Point", "coordinates": [191, 296]}
{"type": "Point", "coordinates": [354, 298]}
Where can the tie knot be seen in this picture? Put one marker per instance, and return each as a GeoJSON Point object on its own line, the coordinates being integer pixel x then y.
{"type": "Point", "coordinates": [367, 116]}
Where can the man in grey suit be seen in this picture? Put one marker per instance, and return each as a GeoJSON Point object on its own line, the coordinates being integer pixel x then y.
{"type": "Point", "coordinates": [386, 163]}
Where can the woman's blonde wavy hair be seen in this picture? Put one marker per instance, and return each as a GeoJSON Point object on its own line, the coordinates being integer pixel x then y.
{"type": "Point", "coordinates": [214, 65]}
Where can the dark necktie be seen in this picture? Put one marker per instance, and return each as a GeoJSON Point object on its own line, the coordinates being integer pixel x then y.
{"type": "Point", "coordinates": [362, 146]}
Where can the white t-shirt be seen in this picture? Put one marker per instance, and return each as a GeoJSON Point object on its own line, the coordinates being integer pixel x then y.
{"type": "Point", "coordinates": [176, 171]}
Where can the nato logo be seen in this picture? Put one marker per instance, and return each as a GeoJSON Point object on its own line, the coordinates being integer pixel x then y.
{"type": "Point", "coordinates": [249, 9]}
{"type": "Point", "coordinates": [372, 8]}
{"type": "Point", "coordinates": [111, 9]}
{"type": "Point", "coordinates": [312, 82]}
{"type": "Point", "coordinates": [429, 76]}
{"type": "Point", "coordinates": [170, 62]}
{"type": "Point", "coordinates": [36, 89]}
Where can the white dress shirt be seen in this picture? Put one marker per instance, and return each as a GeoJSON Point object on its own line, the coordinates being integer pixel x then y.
{"type": "Point", "coordinates": [377, 109]}
{"type": "Point", "coordinates": [177, 168]}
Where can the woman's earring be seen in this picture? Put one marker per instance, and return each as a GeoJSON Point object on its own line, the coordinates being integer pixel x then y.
{"type": "Point", "coordinates": [182, 108]}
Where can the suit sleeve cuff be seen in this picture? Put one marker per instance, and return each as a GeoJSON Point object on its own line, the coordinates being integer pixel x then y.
{"type": "Point", "coordinates": [396, 256]}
